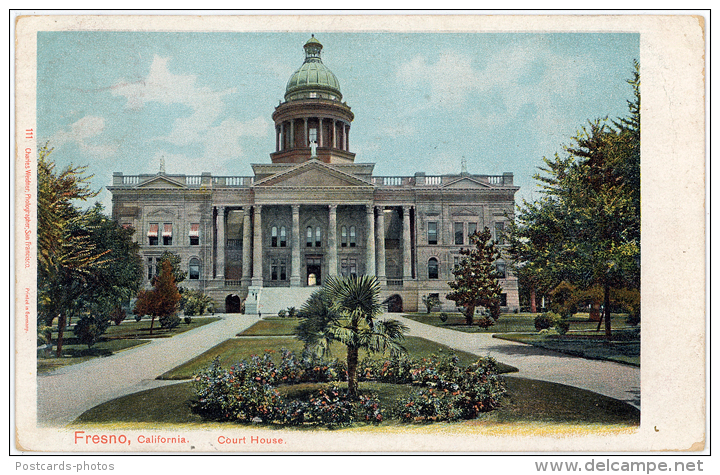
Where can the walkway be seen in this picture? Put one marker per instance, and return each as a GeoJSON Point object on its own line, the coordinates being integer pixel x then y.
{"type": "Point", "coordinates": [67, 392]}
{"type": "Point", "coordinates": [611, 379]}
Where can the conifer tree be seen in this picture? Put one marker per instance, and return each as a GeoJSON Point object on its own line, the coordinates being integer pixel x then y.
{"type": "Point", "coordinates": [476, 281]}
{"type": "Point", "coordinates": [162, 300]}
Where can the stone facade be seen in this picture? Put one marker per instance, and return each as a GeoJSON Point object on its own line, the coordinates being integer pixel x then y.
{"type": "Point", "coordinates": [314, 212]}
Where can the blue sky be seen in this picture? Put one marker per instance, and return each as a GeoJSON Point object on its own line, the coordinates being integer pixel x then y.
{"type": "Point", "coordinates": [118, 101]}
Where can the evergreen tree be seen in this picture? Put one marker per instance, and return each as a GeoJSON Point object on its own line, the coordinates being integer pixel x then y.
{"type": "Point", "coordinates": [476, 281]}
{"type": "Point", "coordinates": [585, 230]}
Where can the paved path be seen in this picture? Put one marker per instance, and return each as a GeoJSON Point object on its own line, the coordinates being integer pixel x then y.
{"type": "Point", "coordinates": [611, 379]}
{"type": "Point", "coordinates": [67, 392]}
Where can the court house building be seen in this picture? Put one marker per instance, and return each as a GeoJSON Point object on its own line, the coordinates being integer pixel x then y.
{"type": "Point", "coordinates": [268, 240]}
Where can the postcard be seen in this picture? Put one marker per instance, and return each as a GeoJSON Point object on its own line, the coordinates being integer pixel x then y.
{"type": "Point", "coordinates": [360, 233]}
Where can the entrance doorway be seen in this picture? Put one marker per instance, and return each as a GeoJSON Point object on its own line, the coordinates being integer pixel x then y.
{"type": "Point", "coordinates": [314, 266]}
{"type": "Point", "coordinates": [394, 303]}
{"type": "Point", "coordinates": [232, 304]}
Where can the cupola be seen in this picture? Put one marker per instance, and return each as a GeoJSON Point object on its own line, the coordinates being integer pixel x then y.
{"type": "Point", "coordinates": [313, 122]}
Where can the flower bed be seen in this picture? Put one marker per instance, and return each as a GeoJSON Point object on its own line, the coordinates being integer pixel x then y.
{"type": "Point", "coordinates": [247, 392]}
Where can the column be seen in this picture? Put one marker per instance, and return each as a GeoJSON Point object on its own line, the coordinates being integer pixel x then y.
{"type": "Point", "coordinates": [380, 230]}
{"type": "Point", "coordinates": [332, 241]}
{"type": "Point", "coordinates": [407, 245]}
{"type": "Point", "coordinates": [257, 278]}
{"type": "Point", "coordinates": [334, 134]}
{"type": "Point", "coordinates": [277, 138]}
{"type": "Point", "coordinates": [247, 247]}
{"type": "Point", "coordinates": [307, 139]}
{"type": "Point", "coordinates": [295, 243]}
{"type": "Point", "coordinates": [370, 241]}
{"type": "Point", "coordinates": [220, 225]}
{"type": "Point", "coordinates": [320, 132]}
{"type": "Point", "coordinates": [347, 138]}
{"type": "Point", "coordinates": [292, 134]}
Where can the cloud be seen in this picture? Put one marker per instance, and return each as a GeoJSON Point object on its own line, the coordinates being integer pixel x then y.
{"type": "Point", "coordinates": [81, 132]}
{"type": "Point", "coordinates": [221, 139]}
{"type": "Point", "coordinates": [448, 80]}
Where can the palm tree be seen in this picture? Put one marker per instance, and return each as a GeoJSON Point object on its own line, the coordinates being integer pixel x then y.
{"type": "Point", "coordinates": [345, 310]}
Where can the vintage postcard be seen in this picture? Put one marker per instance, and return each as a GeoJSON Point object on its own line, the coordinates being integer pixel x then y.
{"type": "Point", "coordinates": [382, 233]}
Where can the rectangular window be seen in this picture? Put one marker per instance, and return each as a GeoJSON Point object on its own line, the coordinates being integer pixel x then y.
{"type": "Point", "coordinates": [312, 132]}
{"type": "Point", "coordinates": [274, 270]}
{"type": "Point", "coordinates": [150, 267]}
{"type": "Point", "coordinates": [348, 267]}
{"type": "Point", "coordinates": [503, 300]}
{"type": "Point", "coordinates": [195, 234]}
{"type": "Point", "coordinates": [432, 233]}
{"type": "Point", "coordinates": [459, 238]}
{"type": "Point", "coordinates": [283, 269]}
{"type": "Point", "coordinates": [456, 261]}
{"type": "Point", "coordinates": [153, 234]}
{"type": "Point", "coordinates": [167, 234]}
{"type": "Point", "coordinates": [472, 229]}
{"type": "Point", "coordinates": [500, 232]}
{"type": "Point", "coordinates": [501, 270]}
{"type": "Point", "coordinates": [194, 271]}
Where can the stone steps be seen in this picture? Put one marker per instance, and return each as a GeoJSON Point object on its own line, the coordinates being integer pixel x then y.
{"type": "Point", "coordinates": [273, 299]}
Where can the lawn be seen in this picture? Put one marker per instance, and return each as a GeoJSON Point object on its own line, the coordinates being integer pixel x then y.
{"type": "Point", "coordinates": [509, 322]}
{"type": "Point", "coordinates": [530, 403]}
{"type": "Point", "coordinates": [624, 348]}
{"type": "Point", "coordinates": [237, 349]}
{"type": "Point", "coordinates": [272, 326]}
{"type": "Point", "coordinates": [117, 337]}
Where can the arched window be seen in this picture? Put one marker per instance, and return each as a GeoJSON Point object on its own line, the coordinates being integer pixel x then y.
{"type": "Point", "coordinates": [274, 238]}
{"type": "Point", "coordinates": [343, 237]}
{"type": "Point", "coordinates": [283, 237]}
{"type": "Point", "coordinates": [194, 269]}
{"type": "Point", "coordinates": [309, 239]}
{"type": "Point", "coordinates": [352, 236]}
{"type": "Point", "coordinates": [432, 268]}
{"type": "Point", "coordinates": [318, 237]}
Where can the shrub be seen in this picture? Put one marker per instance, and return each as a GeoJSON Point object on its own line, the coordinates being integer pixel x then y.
{"type": "Point", "coordinates": [427, 405]}
{"type": "Point", "coordinates": [430, 301]}
{"type": "Point", "coordinates": [282, 313]}
{"type": "Point", "coordinates": [138, 317]}
{"type": "Point", "coordinates": [169, 321]}
{"type": "Point", "coordinates": [562, 326]}
{"type": "Point", "coordinates": [546, 320]}
{"type": "Point", "coordinates": [188, 319]}
{"type": "Point", "coordinates": [443, 317]}
{"type": "Point", "coordinates": [291, 312]}
{"type": "Point", "coordinates": [89, 329]}
{"type": "Point", "coordinates": [485, 322]}
{"type": "Point", "coordinates": [117, 315]}
{"type": "Point", "coordinates": [329, 407]}
{"type": "Point", "coordinates": [194, 302]}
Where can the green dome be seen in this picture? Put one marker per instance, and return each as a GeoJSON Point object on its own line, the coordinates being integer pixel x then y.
{"type": "Point", "coordinates": [313, 79]}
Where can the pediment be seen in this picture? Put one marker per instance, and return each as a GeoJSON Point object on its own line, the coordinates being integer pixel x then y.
{"type": "Point", "coordinates": [161, 181]}
{"type": "Point", "coordinates": [312, 174]}
{"type": "Point", "coordinates": [467, 183]}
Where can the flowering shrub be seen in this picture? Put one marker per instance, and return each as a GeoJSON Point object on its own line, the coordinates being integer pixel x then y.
{"type": "Point", "coordinates": [329, 407]}
{"type": "Point", "coordinates": [427, 405]}
{"type": "Point", "coordinates": [453, 392]}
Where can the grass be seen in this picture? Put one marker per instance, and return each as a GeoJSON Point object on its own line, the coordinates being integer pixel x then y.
{"type": "Point", "coordinates": [237, 349]}
{"type": "Point", "coordinates": [529, 403]}
{"type": "Point", "coordinates": [117, 337]}
{"type": "Point", "coordinates": [625, 348]}
{"type": "Point", "coordinates": [272, 326]}
{"type": "Point", "coordinates": [509, 322]}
